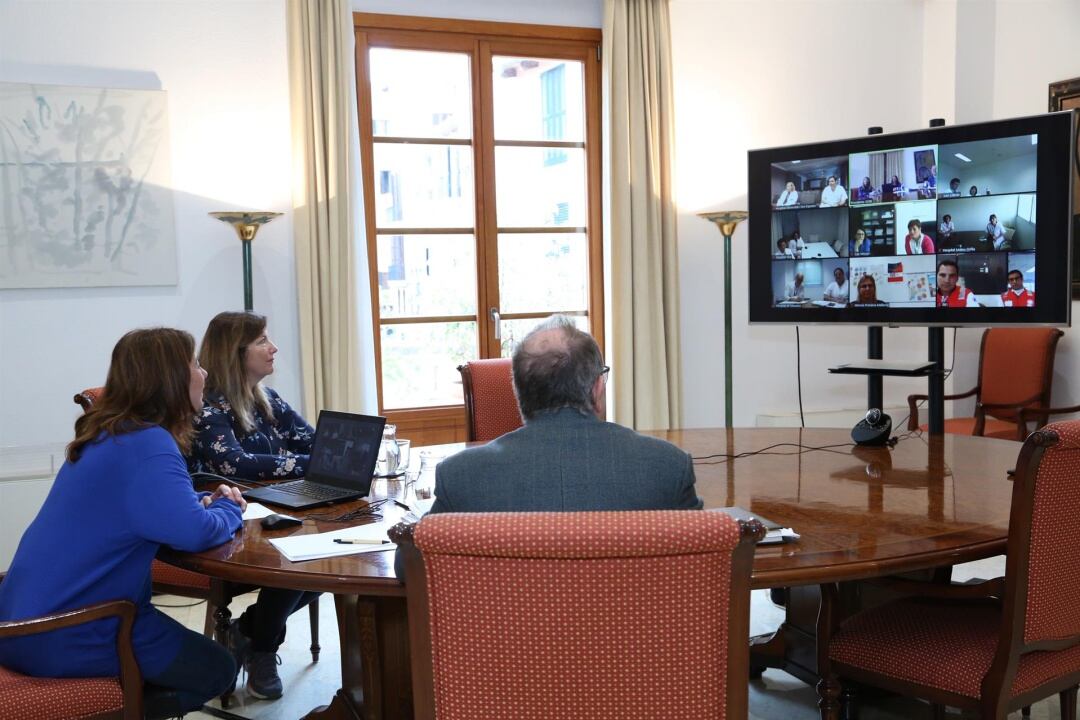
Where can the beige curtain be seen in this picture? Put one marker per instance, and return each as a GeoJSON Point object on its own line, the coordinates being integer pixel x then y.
{"type": "Point", "coordinates": [322, 94]}
{"type": "Point", "coordinates": [644, 337]}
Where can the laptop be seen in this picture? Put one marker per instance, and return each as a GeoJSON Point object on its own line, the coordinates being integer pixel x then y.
{"type": "Point", "coordinates": [342, 464]}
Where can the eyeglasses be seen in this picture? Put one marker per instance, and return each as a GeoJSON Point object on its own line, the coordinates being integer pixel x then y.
{"type": "Point", "coordinates": [604, 370]}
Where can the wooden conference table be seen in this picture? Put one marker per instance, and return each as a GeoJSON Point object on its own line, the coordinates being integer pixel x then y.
{"type": "Point", "coordinates": [861, 512]}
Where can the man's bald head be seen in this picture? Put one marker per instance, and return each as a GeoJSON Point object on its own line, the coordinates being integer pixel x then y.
{"type": "Point", "coordinates": [556, 366]}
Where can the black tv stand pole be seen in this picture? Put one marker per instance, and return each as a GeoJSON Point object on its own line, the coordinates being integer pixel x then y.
{"type": "Point", "coordinates": [875, 343]}
{"type": "Point", "coordinates": [935, 353]}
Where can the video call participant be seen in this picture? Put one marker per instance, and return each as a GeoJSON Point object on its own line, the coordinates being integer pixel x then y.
{"type": "Point", "coordinates": [796, 244]}
{"type": "Point", "coordinates": [782, 251]}
{"type": "Point", "coordinates": [973, 191]}
{"type": "Point", "coordinates": [122, 493]}
{"type": "Point", "coordinates": [867, 289]}
{"type": "Point", "coordinates": [916, 242]}
{"type": "Point", "coordinates": [246, 431]}
{"type": "Point", "coordinates": [859, 245]}
{"type": "Point", "coordinates": [931, 179]}
{"type": "Point", "coordinates": [898, 186]}
{"type": "Point", "coordinates": [789, 197]}
{"type": "Point", "coordinates": [949, 293]}
{"type": "Point", "coordinates": [566, 457]}
{"type": "Point", "coordinates": [945, 230]}
{"type": "Point", "coordinates": [796, 291]}
{"type": "Point", "coordinates": [995, 233]}
{"type": "Point", "coordinates": [866, 190]}
{"type": "Point", "coordinates": [1017, 295]}
{"type": "Point", "coordinates": [954, 187]}
{"type": "Point", "coordinates": [837, 291]}
{"type": "Point", "coordinates": [834, 195]}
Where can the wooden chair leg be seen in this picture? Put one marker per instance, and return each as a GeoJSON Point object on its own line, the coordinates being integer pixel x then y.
{"type": "Point", "coordinates": [208, 623]}
{"type": "Point", "coordinates": [1068, 703]}
{"type": "Point", "coordinates": [938, 712]}
{"type": "Point", "coordinates": [313, 613]}
{"type": "Point", "coordinates": [1025, 711]}
{"type": "Point", "coordinates": [223, 616]}
{"type": "Point", "coordinates": [849, 703]}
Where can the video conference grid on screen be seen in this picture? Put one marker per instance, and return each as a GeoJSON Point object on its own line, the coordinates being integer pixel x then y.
{"type": "Point", "coordinates": [925, 226]}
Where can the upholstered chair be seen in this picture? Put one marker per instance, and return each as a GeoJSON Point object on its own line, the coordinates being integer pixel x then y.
{"type": "Point", "coordinates": [571, 615]}
{"type": "Point", "coordinates": [994, 647]}
{"type": "Point", "coordinates": [1016, 369]}
{"type": "Point", "coordinates": [32, 698]}
{"type": "Point", "coordinates": [491, 408]}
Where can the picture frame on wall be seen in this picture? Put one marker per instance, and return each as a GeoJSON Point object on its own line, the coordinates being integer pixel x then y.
{"type": "Point", "coordinates": [1065, 95]}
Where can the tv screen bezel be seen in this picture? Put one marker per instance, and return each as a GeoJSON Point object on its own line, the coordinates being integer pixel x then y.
{"type": "Point", "coordinates": [1053, 261]}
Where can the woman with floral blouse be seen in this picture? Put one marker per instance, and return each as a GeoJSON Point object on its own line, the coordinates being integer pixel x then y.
{"type": "Point", "coordinates": [246, 431]}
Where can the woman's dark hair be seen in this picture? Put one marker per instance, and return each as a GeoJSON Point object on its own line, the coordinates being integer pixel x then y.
{"type": "Point", "coordinates": [148, 384]}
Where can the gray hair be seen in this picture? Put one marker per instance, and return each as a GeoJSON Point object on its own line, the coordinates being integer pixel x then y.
{"type": "Point", "coordinates": [556, 366]}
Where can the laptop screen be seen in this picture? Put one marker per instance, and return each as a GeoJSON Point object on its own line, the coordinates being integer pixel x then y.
{"type": "Point", "coordinates": [345, 449]}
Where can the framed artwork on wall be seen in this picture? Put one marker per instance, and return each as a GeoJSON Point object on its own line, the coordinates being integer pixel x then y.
{"type": "Point", "coordinates": [1065, 95]}
{"type": "Point", "coordinates": [85, 187]}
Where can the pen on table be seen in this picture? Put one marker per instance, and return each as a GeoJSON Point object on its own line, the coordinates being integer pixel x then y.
{"type": "Point", "coordinates": [360, 541]}
{"type": "Point", "coordinates": [402, 505]}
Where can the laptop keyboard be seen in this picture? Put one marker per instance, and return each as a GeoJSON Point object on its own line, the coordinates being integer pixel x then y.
{"type": "Point", "coordinates": [308, 489]}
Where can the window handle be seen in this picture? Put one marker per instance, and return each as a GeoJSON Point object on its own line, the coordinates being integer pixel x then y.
{"type": "Point", "coordinates": [497, 319]}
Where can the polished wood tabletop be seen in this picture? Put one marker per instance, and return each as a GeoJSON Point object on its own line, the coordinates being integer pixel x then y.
{"type": "Point", "coordinates": [861, 512]}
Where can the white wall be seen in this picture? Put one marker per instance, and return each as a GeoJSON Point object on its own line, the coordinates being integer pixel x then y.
{"type": "Point", "coordinates": [1033, 45]}
{"type": "Point", "coordinates": [749, 75]}
{"type": "Point", "coordinates": [224, 67]}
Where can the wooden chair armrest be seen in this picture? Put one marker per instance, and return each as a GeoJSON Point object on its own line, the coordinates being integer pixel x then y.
{"type": "Point", "coordinates": [963, 395]}
{"type": "Point", "coordinates": [989, 589]}
{"type": "Point", "coordinates": [1033, 413]}
{"type": "Point", "coordinates": [131, 683]}
{"type": "Point", "coordinates": [913, 410]}
{"type": "Point", "coordinates": [1018, 406]}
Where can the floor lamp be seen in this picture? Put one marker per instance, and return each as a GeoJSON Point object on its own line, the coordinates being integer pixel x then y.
{"type": "Point", "coordinates": [726, 220]}
{"type": "Point", "coordinates": [246, 224]}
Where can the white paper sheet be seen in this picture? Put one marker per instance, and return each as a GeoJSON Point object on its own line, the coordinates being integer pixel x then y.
{"type": "Point", "coordinates": [298, 548]}
{"type": "Point", "coordinates": [255, 511]}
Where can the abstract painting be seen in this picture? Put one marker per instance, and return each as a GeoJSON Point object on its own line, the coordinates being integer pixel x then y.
{"type": "Point", "coordinates": [85, 196]}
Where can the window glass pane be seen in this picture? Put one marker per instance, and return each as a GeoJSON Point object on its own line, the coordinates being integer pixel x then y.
{"type": "Point", "coordinates": [538, 99]}
{"type": "Point", "coordinates": [420, 94]}
{"type": "Point", "coordinates": [419, 363]}
{"type": "Point", "coordinates": [423, 186]}
{"type": "Point", "coordinates": [559, 260]}
{"type": "Point", "coordinates": [514, 331]}
{"type": "Point", "coordinates": [426, 275]}
{"type": "Point", "coordinates": [532, 192]}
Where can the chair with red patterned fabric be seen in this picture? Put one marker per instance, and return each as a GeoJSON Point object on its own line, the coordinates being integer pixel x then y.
{"type": "Point", "coordinates": [31, 698]}
{"type": "Point", "coordinates": [993, 647]}
{"type": "Point", "coordinates": [1016, 369]}
{"type": "Point", "coordinates": [491, 408]}
{"type": "Point", "coordinates": [579, 614]}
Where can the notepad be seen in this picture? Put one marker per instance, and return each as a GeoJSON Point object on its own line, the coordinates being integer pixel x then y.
{"type": "Point", "coordinates": [774, 532]}
{"type": "Point", "coordinates": [314, 546]}
{"type": "Point", "coordinates": [255, 511]}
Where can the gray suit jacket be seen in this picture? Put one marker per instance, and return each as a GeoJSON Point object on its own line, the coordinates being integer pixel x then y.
{"type": "Point", "coordinates": [567, 460]}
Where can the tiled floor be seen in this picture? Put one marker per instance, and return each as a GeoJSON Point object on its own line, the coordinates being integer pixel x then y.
{"type": "Point", "coordinates": [775, 696]}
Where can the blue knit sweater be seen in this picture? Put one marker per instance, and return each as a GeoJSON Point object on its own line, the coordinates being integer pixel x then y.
{"type": "Point", "coordinates": [93, 540]}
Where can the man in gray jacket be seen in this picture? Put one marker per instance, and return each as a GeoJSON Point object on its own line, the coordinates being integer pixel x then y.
{"type": "Point", "coordinates": [566, 457]}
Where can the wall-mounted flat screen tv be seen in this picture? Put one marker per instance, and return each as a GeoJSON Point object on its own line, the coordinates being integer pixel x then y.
{"type": "Point", "coordinates": [961, 225]}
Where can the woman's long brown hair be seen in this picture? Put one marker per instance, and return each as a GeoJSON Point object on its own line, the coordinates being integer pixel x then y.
{"type": "Point", "coordinates": [148, 384]}
{"type": "Point", "coordinates": [222, 354]}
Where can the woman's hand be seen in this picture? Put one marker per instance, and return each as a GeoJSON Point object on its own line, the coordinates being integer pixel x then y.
{"type": "Point", "coordinates": [229, 493]}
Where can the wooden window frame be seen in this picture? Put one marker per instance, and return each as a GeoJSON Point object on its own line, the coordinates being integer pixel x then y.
{"type": "Point", "coordinates": [480, 40]}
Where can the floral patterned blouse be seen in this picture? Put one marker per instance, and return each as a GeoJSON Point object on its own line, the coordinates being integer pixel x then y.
{"type": "Point", "coordinates": [278, 448]}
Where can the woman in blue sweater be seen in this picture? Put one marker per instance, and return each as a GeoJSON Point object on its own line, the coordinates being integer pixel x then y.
{"type": "Point", "coordinates": [247, 432]}
{"type": "Point", "coordinates": [123, 492]}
